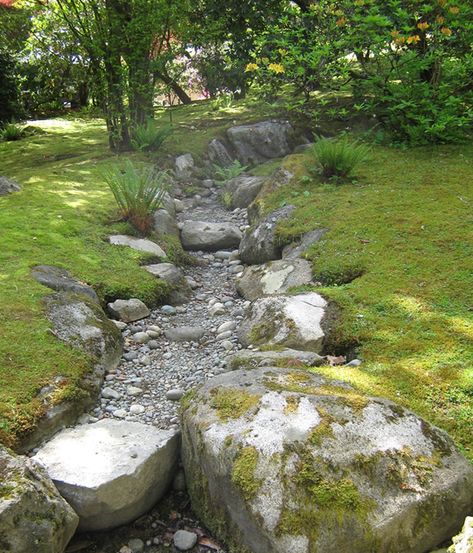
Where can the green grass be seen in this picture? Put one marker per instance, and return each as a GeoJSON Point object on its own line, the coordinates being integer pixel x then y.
{"type": "Point", "coordinates": [62, 217]}
{"type": "Point", "coordinates": [407, 228]}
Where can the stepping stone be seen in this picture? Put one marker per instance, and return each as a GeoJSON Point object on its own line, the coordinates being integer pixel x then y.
{"type": "Point", "coordinates": [299, 322]}
{"type": "Point", "coordinates": [8, 186]}
{"type": "Point", "coordinates": [111, 472]}
{"type": "Point", "coordinates": [201, 235]}
{"type": "Point", "coordinates": [139, 244]}
{"type": "Point", "coordinates": [129, 310]}
{"type": "Point", "coordinates": [275, 277]}
{"type": "Point", "coordinates": [185, 334]}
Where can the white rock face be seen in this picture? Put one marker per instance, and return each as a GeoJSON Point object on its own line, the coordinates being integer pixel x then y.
{"type": "Point", "coordinates": [111, 472]}
{"type": "Point", "coordinates": [281, 460]}
{"type": "Point", "coordinates": [139, 244]}
{"type": "Point", "coordinates": [275, 277]}
{"type": "Point", "coordinates": [184, 165]}
{"type": "Point", "coordinates": [129, 310]}
{"type": "Point", "coordinates": [292, 321]}
{"type": "Point", "coordinates": [201, 235]}
{"type": "Point", "coordinates": [463, 543]}
{"type": "Point", "coordinates": [33, 516]}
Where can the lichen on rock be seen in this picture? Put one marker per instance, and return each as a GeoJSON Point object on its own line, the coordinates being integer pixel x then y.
{"type": "Point", "coordinates": [302, 463]}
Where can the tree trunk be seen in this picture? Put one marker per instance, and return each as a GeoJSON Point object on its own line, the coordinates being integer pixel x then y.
{"type": "Point", "coordinates": [175, 87]}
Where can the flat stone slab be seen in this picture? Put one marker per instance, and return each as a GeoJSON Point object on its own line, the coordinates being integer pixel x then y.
{"type": "Point", "coordinates": [34, 518]}
{"type": "Point", "coordinates": [111, 472]}
{"type": "Point", "coordinates": [202, 235]}
{"type": "Point", "coordinates": [281, 460]}
{"type": "Point", "coordinates": [247, 359]}
{"type": "Point", "coordinates": [167, 272]}
{"type": "Point", "coordinates": [275, 277]}
{"type": "Point", "coordinates": [185, 333]}
{"type": "Point", "coordinates": [129, 310]}
{"type": "Point", "coordinates": [298, 322]}
{"type": "Point", "coordinates": [61, 280]}
{"type": "Point", "coordinates": [139, 244]}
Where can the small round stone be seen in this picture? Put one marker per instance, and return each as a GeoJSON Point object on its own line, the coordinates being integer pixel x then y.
{"type": "Point", "coordinates": [175, 394]}
{"type": "Point", "coordinates": [184, 540]}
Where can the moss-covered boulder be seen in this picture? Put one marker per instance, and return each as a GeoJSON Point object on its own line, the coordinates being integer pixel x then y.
{"type": "Point", "coordinates": [81, 323]}
{"type": "Point", "coordinates": [33, 516]}
{"type": "Point", "coordinates": [284, 460]}
{"type": "Point", "coordinates": [274, 277]}
{"type": "Point", "coordinates": [300, 322]}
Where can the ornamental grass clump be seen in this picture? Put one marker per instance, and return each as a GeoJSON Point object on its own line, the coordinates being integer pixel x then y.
{"type": "Point", "coordinates": [336, 159]}
{"type": "Point", "coordinates": [11, 132]}
{"type": "Point", "coordinates": [139, 192]}
{"type": "Point", "coordinates": [149, 136]}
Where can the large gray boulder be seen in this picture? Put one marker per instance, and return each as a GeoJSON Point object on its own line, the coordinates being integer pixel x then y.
{"type": "Point", "coordinates": [243, 189]}
{"type": "Point", "coordinates": [300, 322]}
{"type": "Point", "coordinates": [164, 223]}
{"type": "Point", "coordinates": [81, 323]}
{"type": "Point", "coordinates": [274, 277]}
{"type": "Point", "coordinates": [259, 243]}
{"type": "Point", "coordinates": [184, 166]}
{"type": "Point", "coordinates": [111, 472]}
{"type": "Point", "coordinates": [129, 311]}
{"type": "Point", "coordinates": [33, 515]}
{"type": "Point", "coordinates": [258, 142]}
{"type": "Point", "coordinates": [61, 280]}
{"type": "Point", "coordinates": [219, 154]}
{"type": "Point", "coordinates": [139, 244]}
{"type": "Point", "coordinates": [250, 359]}
{"type": "Point", "coordinates": [8, 186]}
{"type": "Point", "coordinates": [201, 235]}
{"type": "Point", "coordinates": [179, 289]}
{"type": "Point", "coordinates": [282, 461]}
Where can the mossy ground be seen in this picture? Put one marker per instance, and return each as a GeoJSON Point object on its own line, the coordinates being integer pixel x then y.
{"type": "Point", "coordinates": [405, 231]}
{"type": "Point", "coordinates": [63, 216]}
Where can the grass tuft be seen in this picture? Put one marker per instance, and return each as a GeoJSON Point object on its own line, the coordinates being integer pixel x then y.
{"type": "Point", "coordinates": [337, 158]}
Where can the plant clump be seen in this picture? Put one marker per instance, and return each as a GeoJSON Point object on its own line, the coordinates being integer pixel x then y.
{"type": "Point", "coordinates": [232, 404]}
{"type": "Point", "coordinates": [337, 159]}
{"type": "Point", "coordinates": [149, 136]}
{"type": "Point", "coordinates": [138, 191]}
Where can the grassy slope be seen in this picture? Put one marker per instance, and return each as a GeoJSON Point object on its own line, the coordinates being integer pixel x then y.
{"type": "Point", "coordinates": [407, 226]}
{"type": "Point", "coordinates": [63, 217]}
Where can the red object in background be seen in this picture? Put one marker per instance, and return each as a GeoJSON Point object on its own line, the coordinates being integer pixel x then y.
{"type": "Point", "coordinates": [6, 3]}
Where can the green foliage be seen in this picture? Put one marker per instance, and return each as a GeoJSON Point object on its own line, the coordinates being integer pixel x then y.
{"type": "Point", "coordinates": [138, 191]}
{"type": "Point", "coordinates": [11, 132]}
{"type": "Point", "coordinates": [149, 136]}
{"type": "Point", "coordinates": [222, 174]}
{"type": "Point", "coordinates": [337, 158]}
{"type": "Point", "coordinates": [9, 90]}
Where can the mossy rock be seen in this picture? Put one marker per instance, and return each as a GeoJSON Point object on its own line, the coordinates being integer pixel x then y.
{"type": "Point", "coordinates": [33, 516]}
{"type": "Point", "coordinates": [81, 323]}
{"type": "Point", "coordinates": [302, 463]}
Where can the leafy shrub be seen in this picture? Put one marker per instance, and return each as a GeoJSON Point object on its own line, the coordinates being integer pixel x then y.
{"type": "Point", "coordinates": [149, 137]}
{"type": "Point", "coordinates": [223, 174]}
{"type": "Point", "coordinates": [12, 131]}
{"type": "Point", "coordinates": [337, 158]}
{"type": "Point", "coordinates": [139, 192]}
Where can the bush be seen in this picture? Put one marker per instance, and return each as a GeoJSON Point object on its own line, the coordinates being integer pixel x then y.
{"type": "Point", "coordinates": [12, 131]}
{"type": "Point", "coordinates": [223, 174]}
{"type": "Point", "coordinates": [149, 137]}
{"type": "Point", "coordinates": [337, 158]}
{"type": "Point", "coordinates": [139, 192]}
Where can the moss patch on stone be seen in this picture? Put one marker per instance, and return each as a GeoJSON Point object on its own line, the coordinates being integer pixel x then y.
{"type": "Point", "coordinates": [243, 472]}
{"type": "Point", "coordinates": [232, 404]}
{"type": "Point", "coordinates": [292, 404]}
